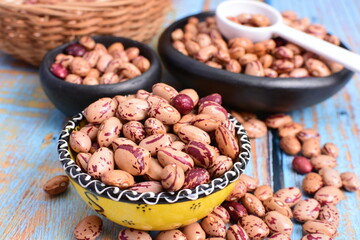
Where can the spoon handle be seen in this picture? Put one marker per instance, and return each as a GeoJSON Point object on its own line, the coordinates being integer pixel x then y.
{"type": "Point", "coordinates": [325, 49]}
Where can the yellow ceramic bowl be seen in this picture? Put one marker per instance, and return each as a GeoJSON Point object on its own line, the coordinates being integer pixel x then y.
{"type": "Point", "coordinates": [150, 211]}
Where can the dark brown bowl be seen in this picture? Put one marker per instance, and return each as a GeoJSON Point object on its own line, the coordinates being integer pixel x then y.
{"type": "Point", "coordinates": [245, 92]}
{"type": "Point", "coordinates": [72, 98]}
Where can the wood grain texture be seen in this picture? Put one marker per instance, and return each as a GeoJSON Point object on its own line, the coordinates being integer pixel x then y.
{"type": "Point", "coordinates": [30, 125]}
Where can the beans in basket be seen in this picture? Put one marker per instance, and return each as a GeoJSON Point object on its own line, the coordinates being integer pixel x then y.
{"type": "Point", "coordinates": [269, 58]}
{"type": "Point", "coordinates": [91, 63]}
{"type": "Point", "coordinates": [169, 140]}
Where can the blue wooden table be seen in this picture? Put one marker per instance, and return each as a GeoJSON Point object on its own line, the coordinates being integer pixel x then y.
{"type": "Point", "coordinates": [30, 125]}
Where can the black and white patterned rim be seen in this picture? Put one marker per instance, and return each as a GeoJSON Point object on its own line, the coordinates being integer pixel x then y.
{"type": "Point", "coordinates": [116, 194]}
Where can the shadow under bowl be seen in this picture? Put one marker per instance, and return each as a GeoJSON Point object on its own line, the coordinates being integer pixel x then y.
{"type": "Point", "coordinates": [72, 98]}
{"type": "Point", "coordinates": [150, 211]}
{"type": "Point", "coordinates": [245, 92]}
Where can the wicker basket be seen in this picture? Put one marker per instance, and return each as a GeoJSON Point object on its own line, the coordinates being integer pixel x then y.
{"type": "Point", "coordinates": [28, 31]}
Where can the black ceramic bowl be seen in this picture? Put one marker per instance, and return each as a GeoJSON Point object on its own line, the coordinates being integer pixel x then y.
{"type": "Point", "coordinates": [245, 92]}
{"type": "Point", "coordinates": [72, 98]}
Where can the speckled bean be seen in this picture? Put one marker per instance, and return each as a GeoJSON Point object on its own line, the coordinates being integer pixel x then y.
{"type": "Point", "coordinates": [91, 130]}
{"type": "Point", "coordinates": [330, 214]}
{"type": "Point", "coordinates": [255, 227]}
{"type": "Point", "coordinates": [254, 68]}
{"type": "Point", "coordinates": [329, 195]}
{"type": "Point", "coordinates": [205, 53]}
{"type": "Point", "coordinates": [307, 209]}
{"type": "Point", "coordinates": [251, 182]}
{"type": "Point", "coordinates": [56, 185]}
{"type": "Point", "coordinates": [255, 128]}
{"type": "Point", "coordinates": [196, 176]}
{"type": "Point", "coordinates": [350, 181]}
{"type": "Point", "coordinates": [154, 143]}
{"type": "Point", "coordinates": [311, 147]}
{"type": "Point", "coordinates": [330, 149]}
{"type": "Point", "coordinates": [118, 178]}
{"type": "Point", "coordinates": [277, 120]}
{"type": "Point", "coordinates": [100, 110]}
{"type": "Point", "coordinates": [166, 113]}
{"type": "Point", "coordinates": [80, 66]}
{"type": "Point", "coordinates": [134, 131]}
{"type": "Point", "coordinates": [238, 191]}
{"type": "Point", "coordinates": [317, 68]}
{"type": "Point", "coordinates": [133, 159]}
{"type": "Point", "coordinates": [154, 126]}
{"type": "Point", "coordinates": [235, 209]}
{"type": "Point", "coordinates": [202, 153]}
{"type": "Point", "coordinates": [290, 129]}
{"type": "Point", "coordinates": [222, 213]}
{"type": "Point", "coordinates": [79, 141]}
{"type": "Point", "coordinates": [283, 52]}
{"type": "Point", "coordinates": [317, 236]}
{"type": "Point", "coordinates": [236, 232]}
{"type": "Point", "coordinates": [227, 142]}
{"type": "Point", "coordinates": [121, 140]}
{"type": "Point", "coordinates": [220, 165]}
{"type": "Point", "coordinates": [247, 58]}
{"type": "Point", "coordinates": [276, 204]}
{"type": "Point", "coordinates": [290, 196]}
{"type": "Point", "coordinates": [100, 162]}
{"type": "Point", "coordinates": [171, 235]}
{"type": "Point", "coordinates": [172, 177]}
{"type": "Point", "coordinates": [278, 223]}
{"type": "Point", "coordinates": [130, 233]}
{"type": "Point", "coordinates": [89, 228]}
{"type": "Point", "coordinates": [169, 155]}
{"type": "Point", "coordinates": [147, 186]}
{"type": "Point", "coordinates": [194, 231]}
{"type": "Point", "coordinates": [253, 205]}
{"type": "Point", "coordinates": [308, 133]}
{"type": "Point", "coordinates": [331, 177]}
{"type": "Point", "coordinates": [213, 226]}
{"type": "Point", "coordinates": [290, 145]}
{"type": "Point", "coordinates": [214, 109]}
{"type": "Point", "coordinates": [263, 192]}
{"type": "Point", "coordinates": [133, 109]}
{"type": "Point", "coordinates": [312, 182]}
{"type": "Point", "coordinates": [205, 122]}
{"type": "Point", "coordinates": [82, 160]}
{"type": "Point", "coordinates": [323, 161]}
{"type": "Point", "coordinates": [279, 236]}
{"type": "Point", "coordinates": [317, 226]}
{"type": "Point", "coordinates": [283, 65]}
{"type": "Point", "coordinates": [189, 133]}
{"type": "Point", "coordinates": [109, 130]}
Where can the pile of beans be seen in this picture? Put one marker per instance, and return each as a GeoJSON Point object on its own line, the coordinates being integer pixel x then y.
{"type": "Point", "coordinates": [251, 20]}
{"type": "Point", "coordinates": [173, 140]}
{"type": "Point", "coordinates": [249, 212]}
{"type": "Point", "coordinates": [91, 63]}
{"type": "Point", "coordinates": [269, 58]}
{"type": "Point", "coordinates": [296, 139]}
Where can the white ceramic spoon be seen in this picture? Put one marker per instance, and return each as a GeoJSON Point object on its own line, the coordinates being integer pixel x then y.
{"type": "Point", "coordinates": [230, 29]}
